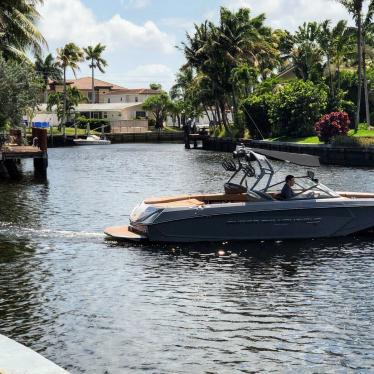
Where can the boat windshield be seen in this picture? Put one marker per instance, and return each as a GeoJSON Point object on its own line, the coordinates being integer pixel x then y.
{"type": "Point", "coordinates": [306, 188]}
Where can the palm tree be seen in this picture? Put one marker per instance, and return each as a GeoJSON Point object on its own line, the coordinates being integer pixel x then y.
{"type": "Point", "coordinates": [68, 56]}
{"type": "Point", "coordinates": [215, 50]}
{"type": "Point", "coordinates": [354, 7]}
{"type": "Point", "coordinates": [306, 54]}
{"type": "Point", "coordinates": [342, 45]}
{"type": "Point", "coordinates": [93, 54]}
{"type": "Point", "coordinates": [18, 32]}
{"type": "Point", "coordinates": [47, 69]}
{"type": "Point", "coordinates": [367, 35]}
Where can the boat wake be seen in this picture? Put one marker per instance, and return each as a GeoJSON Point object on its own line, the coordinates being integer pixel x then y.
{"type": "Point", "coordinates": [11, 230]}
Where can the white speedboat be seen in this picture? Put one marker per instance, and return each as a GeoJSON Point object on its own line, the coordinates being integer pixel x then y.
{"type": "Point", "coordinates": [92, 140]}
{"type": "Point", "coordinates": [252, 212]}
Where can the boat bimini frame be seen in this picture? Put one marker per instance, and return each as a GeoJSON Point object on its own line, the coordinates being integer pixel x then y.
{"type": "Point", "coordinates": [253, 163]}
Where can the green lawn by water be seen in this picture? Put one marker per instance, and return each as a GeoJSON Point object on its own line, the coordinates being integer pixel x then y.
{"type": "Point", "coordinates": [315, 140]}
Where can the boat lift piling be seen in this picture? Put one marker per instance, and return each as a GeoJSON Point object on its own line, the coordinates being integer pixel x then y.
{"type": "Point", "coordinates": [14, 151]}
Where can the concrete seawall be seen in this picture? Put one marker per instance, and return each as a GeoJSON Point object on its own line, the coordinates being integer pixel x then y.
{"type": "Point", "coordinates": [148, 137]}
{"type": "Point", "coordinates": [328, 155]}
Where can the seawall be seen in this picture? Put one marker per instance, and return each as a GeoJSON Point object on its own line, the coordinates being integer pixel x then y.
{"type": "Point", "coordinates": [149, 137]}
{"type": "Point", "coordinates": [328, 154]}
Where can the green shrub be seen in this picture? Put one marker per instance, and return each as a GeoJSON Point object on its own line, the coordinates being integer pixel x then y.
{"type": "Point", "coordinates": [295, 107]}
{"type": "Point", "coordinates": [95, 124]}
{"type": "Point", "coordinates": [256, 114]}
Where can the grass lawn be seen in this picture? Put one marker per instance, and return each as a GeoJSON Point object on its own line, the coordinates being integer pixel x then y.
{"type": "Point", "coordinates": [70, 131]}
{"type": "Point", "coordinates": [315, 140]}
{"type": "Point", "coordinates": [171, 129]}
{"type": "Point", "coordinates": [306, 140]}
{"type": "Point", "coordinates": [361, 132]}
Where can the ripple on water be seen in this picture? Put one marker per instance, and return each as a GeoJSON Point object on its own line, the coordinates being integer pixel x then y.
{"type": "Point", "coordinates": [95, 306]}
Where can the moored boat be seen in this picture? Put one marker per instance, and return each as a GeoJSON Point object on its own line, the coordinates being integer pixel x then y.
{"type": "Point", "coordinates": [92, 140]}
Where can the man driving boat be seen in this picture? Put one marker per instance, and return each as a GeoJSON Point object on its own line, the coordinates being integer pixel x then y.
{"type": "Point", "coordinates": [287, 191]}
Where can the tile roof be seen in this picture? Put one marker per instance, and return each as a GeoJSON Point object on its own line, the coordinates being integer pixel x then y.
{"type": "Point", "coordinates": [139, 91]}
{"type": "Point", "coordinates": [85, 83]}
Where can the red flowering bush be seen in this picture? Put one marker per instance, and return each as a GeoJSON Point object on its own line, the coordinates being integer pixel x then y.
{"type": "Point", "coordinates": [333, 124]}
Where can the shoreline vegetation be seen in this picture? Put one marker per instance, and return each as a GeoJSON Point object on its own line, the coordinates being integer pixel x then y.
{"type": "Point", "coordinates": [247, 79]}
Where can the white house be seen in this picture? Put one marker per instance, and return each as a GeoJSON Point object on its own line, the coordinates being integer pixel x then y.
{"type": "Point", "coordinates": [105, 92]}
{"type": "Point", "coordinates": [123, 117]}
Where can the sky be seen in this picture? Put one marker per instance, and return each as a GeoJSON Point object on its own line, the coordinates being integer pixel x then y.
{"type": "Point", "coordinates": [142, 36]}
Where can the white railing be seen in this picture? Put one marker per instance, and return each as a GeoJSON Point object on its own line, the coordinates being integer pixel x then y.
{"type": "Point", "coordinates": [127, 126]}
{"type": "Point", "coordinates": [128, 130]}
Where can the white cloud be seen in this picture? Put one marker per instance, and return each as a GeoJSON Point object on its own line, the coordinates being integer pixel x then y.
{"type": "Point", "coordinates": [138, 3]}
{"type": "Point", "coordinates": [69, 20]}
{"type": "Point", "coordinates": [290, 14]}
{"type": "Point", "coordinates": [151, 73]}
{"type": "Point", "coordinates": [177, 23]}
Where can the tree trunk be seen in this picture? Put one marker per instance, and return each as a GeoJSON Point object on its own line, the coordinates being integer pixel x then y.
{"type": "Point", "coordinates": [93, 83]}
{"type": "Point", "coordinates": [366, 92]}
{"type": "Point", "coordinates": [220, 122]}
{"type": "Point", "coordinates": [46, 91]}
{"type": "Point", "coordinates": [207, 113]}
{"type": "Point", "coordinates": [359, 88]}
{"type": "Point", "coordinates": [64, 107]}
{"type": "Point", "coordinates": [235, 113]}
{"type": "Point", "coordinates": [330, 76]}
{"type": "Point", "coordinates": [224, 117]}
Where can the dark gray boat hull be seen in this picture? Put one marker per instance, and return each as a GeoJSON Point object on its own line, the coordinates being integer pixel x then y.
{"type": "Point", "coordinates": [273, 220]}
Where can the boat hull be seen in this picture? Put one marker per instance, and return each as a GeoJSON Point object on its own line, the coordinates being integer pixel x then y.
{"type": "Point", "coordinates": [93, 142]}
{"type": "Point", "coordinates": [260, 221]}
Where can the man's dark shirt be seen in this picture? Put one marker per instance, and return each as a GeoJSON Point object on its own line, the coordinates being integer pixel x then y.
{"type": "Point", "coordinates": [287, 192]}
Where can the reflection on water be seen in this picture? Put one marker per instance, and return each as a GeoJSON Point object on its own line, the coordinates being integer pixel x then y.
{"type": "Point", "coordinates": [95, 306]}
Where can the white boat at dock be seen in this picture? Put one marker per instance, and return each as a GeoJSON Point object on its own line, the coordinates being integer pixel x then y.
{"type": "Point", "coordinates": [92, 140]}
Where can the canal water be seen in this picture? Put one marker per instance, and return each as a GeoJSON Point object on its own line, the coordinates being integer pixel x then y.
{"type": "Point", "coordinates": [93, 306]}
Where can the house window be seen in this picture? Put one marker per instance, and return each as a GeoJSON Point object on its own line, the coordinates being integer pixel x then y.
{"type": "Point", "coordinates": [89, 94]}
{"type": "Point", "coordinates": [108, 99]}
{"type": "Point", "coordinates": [97, 115]}
{"type": "Point", "coordinates": [140, 114]}
{"type": "Point", "coordinates": [136, 99]}
{"type": "Point", "coordinates": [121, 98]}
{"type": "Point", "coordinates": [105, 114]}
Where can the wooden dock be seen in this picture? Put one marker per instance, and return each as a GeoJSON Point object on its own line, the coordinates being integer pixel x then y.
{"type": "Point", "coordinates": [14, 152]}
{"type": "Point", "coordinates": [11, 154]}
{"type": "Point", "coordinates": [194, 138]}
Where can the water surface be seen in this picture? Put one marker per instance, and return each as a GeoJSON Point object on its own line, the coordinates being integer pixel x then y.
{"type": "Point", "coordinates": [93, 306]}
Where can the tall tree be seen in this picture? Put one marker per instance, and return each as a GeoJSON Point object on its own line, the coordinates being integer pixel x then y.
{"type": "Point", "coordinates": [306, 54]}
{"type": "Point", "coordinates": [73, 98]}
{"type": "Point", "coordinates": [367, 39]}
{"type": "Point", "coordinates": [159, 105]}
{"type": "Point", "coordinates": [68, 57]}
{"type": "Point", "coordinates": [354, 7]}
{"type": "Point", "coordinates": [19, 91]}
{"type": "Point", "coordinates": [47, 69]}
{"type": "Point", "coordinates": [18, 32]}
{"type": "Point", "coordinates": [215, 50]}
{"type": "Point", "coordinates": [93, 54]}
